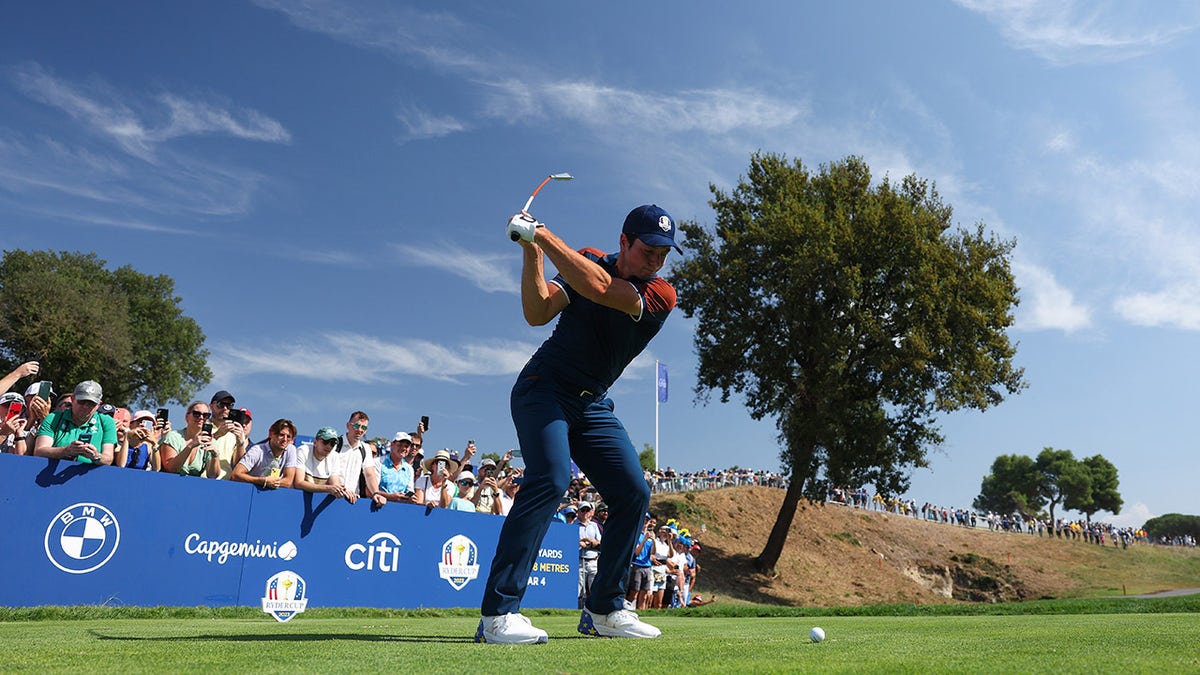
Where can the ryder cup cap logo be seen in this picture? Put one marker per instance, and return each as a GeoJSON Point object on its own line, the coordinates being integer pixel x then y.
{"type": "Point", "coordinates": [460, 561]}
{"type": "Point", "coordinates": [664, 223]}
{"type": "Point", "coordinates": [82, 537]}
{"type": "Point", "coordinates": [285, 596]}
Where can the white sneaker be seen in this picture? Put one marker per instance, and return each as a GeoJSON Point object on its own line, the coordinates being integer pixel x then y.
{"type": "Point", "coordinates": [509, 629]}
{"type": "Point", "coordinates": [621, 623]}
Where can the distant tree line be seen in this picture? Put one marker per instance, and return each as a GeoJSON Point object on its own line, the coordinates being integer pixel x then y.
{"type": "Point", "coordinates": [1021, 484]}
{"type": "Point", "coordinates": [1173, 525]}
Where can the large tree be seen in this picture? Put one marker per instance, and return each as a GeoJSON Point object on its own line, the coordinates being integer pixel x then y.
{"type": "Point", "coordinates": [1012, 486]}
{"type": "Point", "coordinates": [82, 321]}
{"type": "Point", "coordinates": [1103, 482]}
{"type": "Point", "coordinates": [850, 312]}
{"type": "Point", "coordinates": [1064, 480]}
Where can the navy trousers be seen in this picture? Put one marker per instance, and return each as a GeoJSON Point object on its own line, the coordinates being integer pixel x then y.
{"type": "Point", "coordinates": [556, 424]}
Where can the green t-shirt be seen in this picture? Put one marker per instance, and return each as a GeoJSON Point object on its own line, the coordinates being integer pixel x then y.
{"type": "Point", "coordinates": [61, 428]}
{"type": "Point", "coordinates": [196, 467]}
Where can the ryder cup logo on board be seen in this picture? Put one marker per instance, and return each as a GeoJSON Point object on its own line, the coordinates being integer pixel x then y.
{"type": "Point", "coordinates": [82, 537]}
{"type": "Point", "coordinates": [285, 596]}
{"type": "Point", "coordinates": [460, 561]}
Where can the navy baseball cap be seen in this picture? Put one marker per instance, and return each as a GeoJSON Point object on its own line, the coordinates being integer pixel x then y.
{"type": "Point", "coordinates": [652, 225]}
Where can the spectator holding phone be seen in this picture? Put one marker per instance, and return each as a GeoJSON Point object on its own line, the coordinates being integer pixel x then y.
{"type": "Point", "coordinates": [37, 405]}
{"type": "Point", "coordinates": [231, 428]}
{"type": "Point", "coordinates": [190, 453]}
{"type": "Point", "coordinates": [318, 471]}
{"type": "Point", "coordinates": [487, 493]}
{"type": "Point", "coordinates": [13, 438]}
{"type": "Point", "coordinates": [142, 440]}
{"type": "Point", "coordinates": [436, 487]}
{"type": "Point", "coordinates": [77, 432]}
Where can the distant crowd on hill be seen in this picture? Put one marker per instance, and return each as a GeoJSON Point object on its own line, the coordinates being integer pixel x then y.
{"type": "Point", "coordinates": [1099, 533]}
{"type": "Point", "coordinates": [669, 480]}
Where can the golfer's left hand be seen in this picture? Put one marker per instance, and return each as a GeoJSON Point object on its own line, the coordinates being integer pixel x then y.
{"type": "Point", "coordinates": [522, 226]}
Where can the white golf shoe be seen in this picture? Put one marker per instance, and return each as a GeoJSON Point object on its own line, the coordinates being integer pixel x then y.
{"type": "Point", "coordinates": [509, 629]}
{"type": "Point", "coordinates": [621, 623]}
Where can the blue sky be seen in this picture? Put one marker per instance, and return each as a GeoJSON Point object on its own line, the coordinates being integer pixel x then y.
{"type": "Point", "coordinates": [327, 183]}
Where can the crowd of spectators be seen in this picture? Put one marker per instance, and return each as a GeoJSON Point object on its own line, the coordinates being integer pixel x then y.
{"type": "Point", "coordinates": [669, 480]}
{"type": "Point", "coordinates": [1099, 533]}
{"type": "Point", "coordinates": [213, 441]}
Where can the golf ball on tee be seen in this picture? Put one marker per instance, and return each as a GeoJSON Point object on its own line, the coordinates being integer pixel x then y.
{"type": "Point", "coordinates": [816, 634]}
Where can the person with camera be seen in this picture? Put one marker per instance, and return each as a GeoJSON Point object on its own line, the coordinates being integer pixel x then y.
{"type": "Point", "coordinates": [589, 550]}
{"type": "Point", "coordinates": [436, 488]}
{"type": "Point", "coordinates": [487, 493]}
{"type": "Point", "coordinates": [317, 471]}
{"type": "Point", "coordinates": [13, 438]}
{"type": "Point", "coordinates": [141, 439]}
{"type": "Point", "coordinates": [271, 464]}
{"type": "Point", "coordinates": [77, 432]}
{"type": "Point", "coordinates": [396, 471]}
{"type": "Point", "coordinates": [190, 452]}
{"type": "Point", "coordinates": [231, 428]}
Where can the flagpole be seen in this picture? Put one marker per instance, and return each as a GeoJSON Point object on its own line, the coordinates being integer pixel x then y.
{"type": "Point", "coordinates": [656, 397]}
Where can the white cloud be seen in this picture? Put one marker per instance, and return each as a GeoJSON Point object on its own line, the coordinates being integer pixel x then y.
{"type": "Point", "coordinates": [347, 357]}
{"type": "Point", "coordinates": [488, 271]}
{"type": "Point", "coordinates": [1046, 304]}
{"type": "Point", "coordinates": [1133, 515]}
{"type": "Point", "coordinates": [418, 124]}
{"type": "Point", "coordinates": [1178, 306]}
{"type": "Point", "coordinates": [104, 112]}
{"type": "Point", "coordinates": [436, 37]}
{"type": "Point", "coordinates": [1069, 31]}
{"type": "Point", "coordinates": [116, 162]}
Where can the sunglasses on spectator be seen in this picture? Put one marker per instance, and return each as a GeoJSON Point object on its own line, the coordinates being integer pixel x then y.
{"type": "Point", "coordinates": [223, 404]}
{"type": "Point", "coordinates": [360, 427]}
{"type": "Point", "coordinates": [466, 481]}
{"type": "Point", "coordinates": [200, 415]}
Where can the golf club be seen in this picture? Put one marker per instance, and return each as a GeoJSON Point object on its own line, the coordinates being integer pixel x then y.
{"type": "Point", "coordinates": [553, 176]}
{"type": "Point", "coordinates": [525, 210]}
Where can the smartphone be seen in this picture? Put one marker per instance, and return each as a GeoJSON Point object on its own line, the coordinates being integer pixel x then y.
{"type": "Point", "coordinates": [425, 422]}
{"type": "Point", "coordinates": [207, 428]}
{"type": "Point", "coordinates": [236, 415]}
{"type": "Point", "coordinates": [44, 389]}
{"type": "Point", "coordinates": [85, 438]}
{"type": "Point", "coordinates": [162, 414]}
{"type": "Point", "coordinates": [14, 410]}
{"type": "Point", "coordinates": [441, 465]}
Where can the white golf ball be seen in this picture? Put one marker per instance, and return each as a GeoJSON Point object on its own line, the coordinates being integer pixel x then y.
{"type": "Point", "coordinates": [816, 634]}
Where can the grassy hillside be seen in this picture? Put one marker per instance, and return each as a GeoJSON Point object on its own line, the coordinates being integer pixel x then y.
{"type": "Point", "coordinates": [839, 556]}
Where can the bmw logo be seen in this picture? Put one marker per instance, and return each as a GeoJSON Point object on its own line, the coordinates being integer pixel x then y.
{"type": "Point", "coordinates": [82, 538]}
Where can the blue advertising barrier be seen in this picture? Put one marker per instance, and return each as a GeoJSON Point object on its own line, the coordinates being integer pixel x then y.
{"type": "Point", "coordinates": [88, 535]}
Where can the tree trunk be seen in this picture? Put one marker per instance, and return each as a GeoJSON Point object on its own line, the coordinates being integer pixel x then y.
{"type": "Point", "coordinates": [765, 562]}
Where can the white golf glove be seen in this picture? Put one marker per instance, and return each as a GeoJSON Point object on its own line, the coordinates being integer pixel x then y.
{"type": "Point", "coordinates": [522, 226]}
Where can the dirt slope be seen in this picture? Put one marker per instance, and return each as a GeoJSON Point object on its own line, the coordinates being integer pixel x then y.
{"type": "Point", "coordinates": [837, 556]}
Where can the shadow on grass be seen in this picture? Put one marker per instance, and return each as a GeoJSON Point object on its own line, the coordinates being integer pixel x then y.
{"type": "Point", "coordinates": [308, 637]}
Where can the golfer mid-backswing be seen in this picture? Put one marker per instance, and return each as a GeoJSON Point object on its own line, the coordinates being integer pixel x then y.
{"type": "Point", "coordinates": [610, 307]}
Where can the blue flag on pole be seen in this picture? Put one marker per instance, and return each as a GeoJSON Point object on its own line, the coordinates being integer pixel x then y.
{"type": "Point", "coordinates": [662, 383]}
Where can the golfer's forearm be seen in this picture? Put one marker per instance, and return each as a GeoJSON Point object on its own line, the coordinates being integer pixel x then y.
{"type": "Point", "coordinates": [585, 276]}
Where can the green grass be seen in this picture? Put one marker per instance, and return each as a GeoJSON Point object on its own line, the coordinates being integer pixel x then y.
{"type": "Point", "coordinates": [1120, 636]}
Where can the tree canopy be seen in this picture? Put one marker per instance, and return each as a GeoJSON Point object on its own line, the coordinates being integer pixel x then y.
{"type": "Point", "coordinates": [1011, 487]}
{"type": "Point", "coordinates": [1018, 483]}
{"type": "Point", "coordinates": [850, 312]}
{"type": "Point", "coordinates": [81, 321]}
